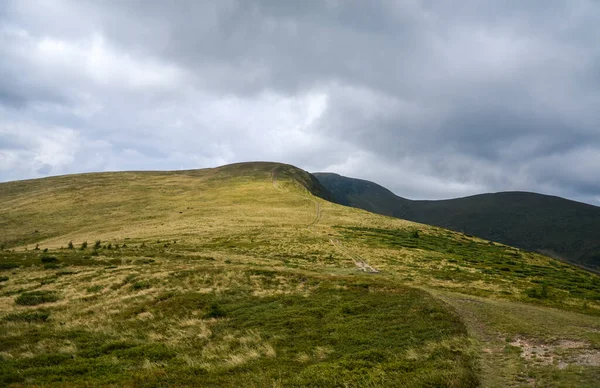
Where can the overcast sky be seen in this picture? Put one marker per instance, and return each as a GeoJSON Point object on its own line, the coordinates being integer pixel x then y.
{"type": "Point", "coordinates": [432, 99]}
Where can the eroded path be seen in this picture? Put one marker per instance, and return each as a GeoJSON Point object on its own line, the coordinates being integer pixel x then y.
{"type": "Point", "coordinates": [360, 262]}
{"type": "Point", "coordinates": [523, 345]}
{"type": "Point", "coordinates": [315, 201]}
{"type": "Point", "coordinates": [318, 213]}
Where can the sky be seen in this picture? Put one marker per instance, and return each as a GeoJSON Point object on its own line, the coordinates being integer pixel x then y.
{"type": "Point", "coordinates": [431, 99]}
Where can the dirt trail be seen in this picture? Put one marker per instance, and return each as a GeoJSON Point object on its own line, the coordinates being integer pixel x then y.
{"type": "Point", "coordinates": [358, 261]}
{"type": "Point", "coordinates": [318, 210]}
{"type": "Point", "coordinates": [274, 178]}
{"type": "Point", "coordinates": [318, 214]}
{"type": "Point", "coordinates": [509, 356]}
{"type": "Point", "coordinates": [492, 344]}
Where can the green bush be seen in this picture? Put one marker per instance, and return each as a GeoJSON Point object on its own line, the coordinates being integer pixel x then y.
{"type": "Point", "coordinates": [5, 266]}
{"type": "Point", "coordinates": [49, 259]}
{"type": "Point", "coordinates": [215, 311]}
{"type": "Point", "coordinates": [33, 298]}
{"type": "Point", "coordinates": [51, 266]}
{"type": "Point", "coordinates": [141, 285]}
{"type": "Point", "coordinates": [538, 293]}
{"type": "Point", "coordinates": [84, 245]}
{"type": "Point", "coordinates": [96, 288]}
{"type": "Point", "coordinates": [97, 244]}
{"type": "Point", "coordinates": [3, 278]}
{"type": "Point", "coordinates": [70, 245]}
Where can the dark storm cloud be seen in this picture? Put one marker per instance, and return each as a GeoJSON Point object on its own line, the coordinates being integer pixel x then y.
{"type": "Point", "coordinates": [431, 98]}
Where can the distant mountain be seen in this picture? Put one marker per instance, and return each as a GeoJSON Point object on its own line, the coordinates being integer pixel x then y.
{"type": "Point", "coordinates": [555, 226]}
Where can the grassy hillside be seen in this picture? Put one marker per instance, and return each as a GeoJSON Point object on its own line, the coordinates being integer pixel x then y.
{"type": "Point", "coordinates": [244, 276]}
{"type": "Point", "coordinates": [551, 225]}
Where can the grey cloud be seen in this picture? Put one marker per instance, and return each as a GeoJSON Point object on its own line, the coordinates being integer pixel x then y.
{"type": "Point", "coordinates": [430, 98]}
{"type": "Point", "coordinates": [45, 169]}
{"type": "Point", "coordinates": [12, 141]}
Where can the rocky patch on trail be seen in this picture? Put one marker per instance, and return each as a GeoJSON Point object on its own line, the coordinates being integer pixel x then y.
{"type": "Point", "coordinates": [561, 353]}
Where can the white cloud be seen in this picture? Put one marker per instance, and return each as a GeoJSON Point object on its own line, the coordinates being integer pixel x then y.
{"type": "Point", "coordinates": [95, 59]}
{"type": "Point", "coordinates": [45, 150]}
{"type": "Point", "coordinates": [65, 64]}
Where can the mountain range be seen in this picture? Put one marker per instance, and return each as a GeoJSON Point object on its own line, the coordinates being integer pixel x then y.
{"type": "Point", "coordinates": [557, 227]}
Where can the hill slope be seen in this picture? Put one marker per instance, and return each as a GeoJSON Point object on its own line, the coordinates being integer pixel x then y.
{"type": "Point", "coordinates": [242, 276]}
{"type": "Point", "coordinates": [555, 226]}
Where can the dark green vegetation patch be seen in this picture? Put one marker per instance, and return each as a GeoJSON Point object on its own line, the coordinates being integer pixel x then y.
{"type": "Point", "coordinates": [28, 316]}
{"type": "Point", "coordinates": [7, 266]}
{"type": "Point", "coordinates": [549, 282]}
{"type": "Point", "coordinates": [33, 298]}
{"type": "Point", "coordinates": [49, 259]}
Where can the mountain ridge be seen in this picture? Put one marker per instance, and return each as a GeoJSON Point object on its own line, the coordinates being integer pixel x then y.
{"type": "Point", "coordinates": [552, 225]}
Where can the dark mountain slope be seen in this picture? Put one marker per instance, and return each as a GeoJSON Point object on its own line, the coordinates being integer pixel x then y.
{"type": "Point", "coordinates": [555, 226]}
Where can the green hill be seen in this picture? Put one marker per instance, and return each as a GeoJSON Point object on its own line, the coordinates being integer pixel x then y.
{"type": "Point", "coordinates": [244, 275]}
{"type": "Point", "coordinates": [551, 225]}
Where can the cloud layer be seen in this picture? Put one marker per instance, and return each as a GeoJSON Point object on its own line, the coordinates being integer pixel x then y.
{"type": "Point", "coordinates": [430, 99]}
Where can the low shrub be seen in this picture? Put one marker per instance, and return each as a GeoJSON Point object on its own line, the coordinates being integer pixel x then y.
{"type": "Point", "coordinates": [33, 298]}
{"type": "Point", "coordinates": [5, 266]}
{"type": "Point", "coordinates": [49, 259]}
{"type": "Point", "coordinates": [28, 316]}
{"type": "Point", "coordinates": [96, 288]}
{"type": "Point", "coordinates": [141, 285]}
{"type": "Point", "coordinates": [215, 311]}
{"type": "Point", "coordinates": [538, 293]}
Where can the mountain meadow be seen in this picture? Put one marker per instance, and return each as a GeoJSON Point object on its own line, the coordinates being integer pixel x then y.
{"type": "Point", "coordinates": [247, 275]}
